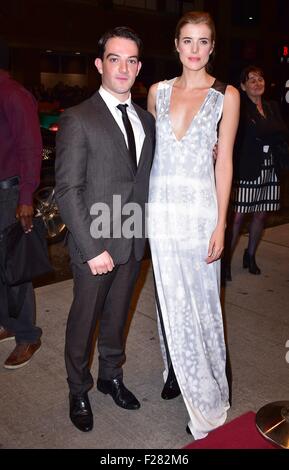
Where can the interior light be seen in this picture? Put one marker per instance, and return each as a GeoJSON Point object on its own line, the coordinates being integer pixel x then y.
{"type": "Point", "coordinates": [54, 127]}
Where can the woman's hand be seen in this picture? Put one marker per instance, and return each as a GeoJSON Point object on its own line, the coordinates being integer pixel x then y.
{"type": "Point", "coordinates": [216, 245]}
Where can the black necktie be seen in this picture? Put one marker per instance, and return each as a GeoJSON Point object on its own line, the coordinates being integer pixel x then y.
{"type": "Point", "coordinates": [129, 133]}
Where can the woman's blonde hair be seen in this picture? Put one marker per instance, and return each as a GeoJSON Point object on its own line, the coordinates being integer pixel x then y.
{"type": "Point", "coordinates": [196, 17]}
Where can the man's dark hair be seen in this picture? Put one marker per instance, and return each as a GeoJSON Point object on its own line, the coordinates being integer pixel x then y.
{"type": "Point", "coordinates": [118, 32]}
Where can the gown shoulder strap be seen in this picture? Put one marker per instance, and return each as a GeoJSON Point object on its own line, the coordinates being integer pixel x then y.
{"type": "Point", "coordinates": [219, 86]}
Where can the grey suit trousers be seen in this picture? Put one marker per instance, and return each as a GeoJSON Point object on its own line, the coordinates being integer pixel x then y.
{"type": "Point", "coordinates": [104, 298]}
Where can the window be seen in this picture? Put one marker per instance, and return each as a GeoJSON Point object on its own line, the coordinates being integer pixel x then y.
{"type": "Point", "coordinates": [49, 63]}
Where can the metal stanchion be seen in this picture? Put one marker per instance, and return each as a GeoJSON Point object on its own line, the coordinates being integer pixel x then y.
{"type": "Point", "coordinates": [272, 422]}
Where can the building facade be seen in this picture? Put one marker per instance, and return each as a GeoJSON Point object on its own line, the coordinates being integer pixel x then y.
{"type": "Point", "coordinates": [56, 39]}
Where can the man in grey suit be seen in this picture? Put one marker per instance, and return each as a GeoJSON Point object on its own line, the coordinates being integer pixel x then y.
{"type": "Point", "coordinates": [104, 155]}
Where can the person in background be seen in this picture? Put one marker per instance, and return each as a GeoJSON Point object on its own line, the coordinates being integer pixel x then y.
{"type": "Point", "coordinates": [104, 150]}
{"type": "Point", "coordinates": [188, 200]}
{"type": "Point", "coordinates": [256, 177]}
{"type": "Point", "coordinates": [20, 164]}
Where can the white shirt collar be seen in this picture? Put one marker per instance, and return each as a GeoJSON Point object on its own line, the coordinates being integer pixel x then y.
{"type": "Point", "coordinates": [111, 100]}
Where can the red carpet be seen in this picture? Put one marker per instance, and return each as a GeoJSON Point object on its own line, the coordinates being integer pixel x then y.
{"type": "Point", "coordinates": [241, 433]}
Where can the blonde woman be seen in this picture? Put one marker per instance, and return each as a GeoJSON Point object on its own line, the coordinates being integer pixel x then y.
{"type": "Point", "coordinates": [187, 216]}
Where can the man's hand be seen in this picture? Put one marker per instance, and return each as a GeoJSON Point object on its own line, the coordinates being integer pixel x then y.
{"type": "Point", "coordinates": [101, 264]}
{"type": "Point", "coordinates": [25, 214]}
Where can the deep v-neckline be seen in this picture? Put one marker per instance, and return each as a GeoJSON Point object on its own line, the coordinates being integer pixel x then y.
{"type": "Point", "coordinates": [193, 118]}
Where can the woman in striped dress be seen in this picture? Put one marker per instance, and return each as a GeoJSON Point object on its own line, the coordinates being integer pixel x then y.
{"type": "Point", "coordinates": [257, 186]}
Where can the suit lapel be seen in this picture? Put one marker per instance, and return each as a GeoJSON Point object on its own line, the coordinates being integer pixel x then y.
{"type": "Point", "coordinates": [112, 128]}
{"type": "Point", "coordinates": [147, 140]}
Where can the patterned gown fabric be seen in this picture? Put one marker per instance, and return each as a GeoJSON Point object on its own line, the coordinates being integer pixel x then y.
{"type": "Point", "coordinates": [181, 218]}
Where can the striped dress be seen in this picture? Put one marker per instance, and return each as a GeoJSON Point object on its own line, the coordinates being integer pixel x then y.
{"type": "Point", "coordinates": [262, 194]}
{"type": "Point", "coordinates": [256, 185]}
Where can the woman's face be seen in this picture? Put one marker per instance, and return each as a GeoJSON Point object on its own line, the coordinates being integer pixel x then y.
{"type": "Point", "coordinates": [194, 45]}
{"type": "Point", "coordinates": [254, 85]}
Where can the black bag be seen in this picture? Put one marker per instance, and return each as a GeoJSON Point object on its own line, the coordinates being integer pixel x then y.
{"type": "Point", "coordinates": [25, 254]}
{"type": "Point", "coordinates": [280, 151]}
{"type": "Point", "coordinates": [280, 143]}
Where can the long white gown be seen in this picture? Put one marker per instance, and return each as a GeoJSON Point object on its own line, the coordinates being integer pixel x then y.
{"type": "Point", "coordinates": [182, 215]}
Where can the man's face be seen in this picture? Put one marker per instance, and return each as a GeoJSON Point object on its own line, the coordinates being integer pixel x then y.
{"type": "Point", "coordinates": [119, 66]}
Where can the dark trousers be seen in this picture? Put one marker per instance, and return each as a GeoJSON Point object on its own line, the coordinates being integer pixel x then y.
{"type": "Point", "coordinates": [104, 298]}
{"type": "Point", "coordinates": [24, 325]}
{"type": "Point", "coordinates": [169, 361]}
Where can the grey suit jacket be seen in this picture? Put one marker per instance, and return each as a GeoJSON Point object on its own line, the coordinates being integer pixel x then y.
{"type": "Point", "coordinates": [92, 165]}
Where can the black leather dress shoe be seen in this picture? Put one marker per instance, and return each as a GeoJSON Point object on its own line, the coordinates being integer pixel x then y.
{"type": "Point", "coordinates": [80, 412]}
{"type": "Point", "coordinates": [171, 388]}
{"type": "Point", "coordinates": [120, 394]}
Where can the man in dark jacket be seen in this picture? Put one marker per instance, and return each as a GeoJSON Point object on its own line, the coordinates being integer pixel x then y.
{"type": "Point", "coordinates": [20, 163]}
{"type": "Point", "coordinates": [104, 155]}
